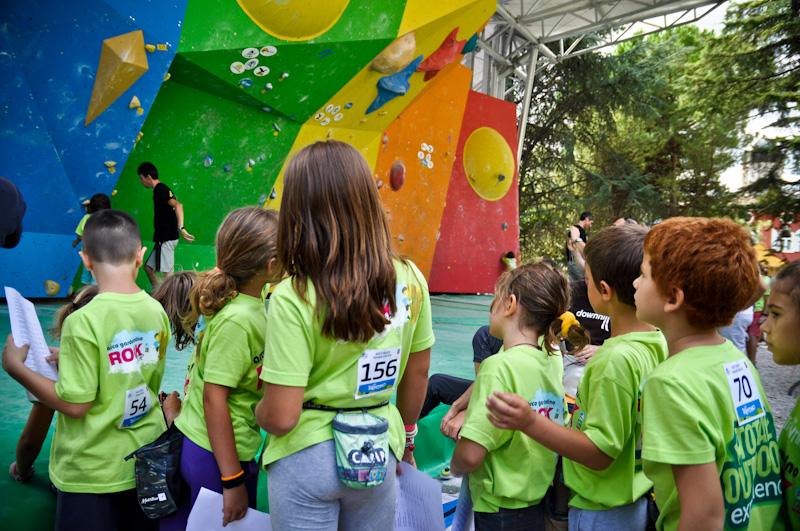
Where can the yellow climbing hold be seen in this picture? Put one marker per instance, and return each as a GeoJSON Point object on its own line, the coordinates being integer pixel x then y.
{"type": "Point", "coordinates": [122, 61]}
{"type": "Point", "coordinates": [110, 163]}
{"type": "Point", "coordinates": [139, 111]}
{"type": "Point", "coordinates": [396, 56]}
{"type": "Point", "coordinates": [488, 163]}
{"type": "Point", "coordinates": [167, 76]}
{"type": "Point", "coordinates": [294, 21]}
{"type": "Point", "coordinates": [150, 48]}
{"type": "Point", "coordinates": [86, 203]}
{"type": "Point", "coordinates": [113, 193]}
{"type": "Point", "coordinates": [162, 47]}
{"type": "Point", "coordinates": [51, 287]}
{"type": "Point", "coordinates": [134, 103]}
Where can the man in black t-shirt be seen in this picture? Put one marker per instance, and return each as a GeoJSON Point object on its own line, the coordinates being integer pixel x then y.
{"type": "Point", "coordinates": [168, 223]}
{"type": "Point", "coordinates": [576, 241]}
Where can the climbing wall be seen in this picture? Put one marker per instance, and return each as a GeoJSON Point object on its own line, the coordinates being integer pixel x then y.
{"type": "Point", "coordinates": [219, 94]}
{"type": "Point", "coordinates": [63, 64]}
{"type": "Point", "coordinates": [481, 218]}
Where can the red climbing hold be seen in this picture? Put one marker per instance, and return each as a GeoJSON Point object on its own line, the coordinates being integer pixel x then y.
{"type": "Point", "coordinates": [397, 175]}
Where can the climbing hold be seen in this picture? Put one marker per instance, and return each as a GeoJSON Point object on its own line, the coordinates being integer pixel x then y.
{"type": "Point", "coordinates": [268, 86]}
{"type": "Point", "coordinates": [167, 76]}
{"type": "Point", "coordinates": [447, 154]}
{"type": "Point", "coordinates": [501, 177]}
{"type": "Point", "coordinates": [113, 193]}
{"type": "Point", "coordinates": [400, 237]}
{"type": "Point", "coordinates": [385, 138]}
{"type": "Point", "coordinates": [135, 103]}
{"type": "Point", "coordinates": [470, 45]}
{"type": "Point", "coordinates": [273, 194]}
{"type": "Point", "coordinates": [262, 158]}
{"type": "Point", "coordinates": [51, 287]}
{"type": "Point", "coordinates": [379, 183]}
{"type": "Point", "coordinates": [276, 127]}
{"type": "Point", "coordinates": [139, 111]}
{"type": "Point", "coordinates": [262, 200]}
{"type": "Point", "coordinates": [397, 175]}
{"type": "Point", "coordinates": [123, 60]}
{"type": "Point", "coordinates": [294, 21]}
{"type": "Point", "coordinates": [488, 159]}
{"type": "Point", "coordinates": [150, 47]}
{"type": "Point", "coordinates": [383, 113]}
{"type": "Point", "coordinates": [86, 203]}
{"type": "Point", "coordinates": [390, 87]}
{"type": "Point", "coordinates": [505, 226]}
{"type": "Point", "coordinates": [249, 168]}
{"type": "Point", "coordinates": [161, 47]}
{"type": "Point", "coordinates": [251, 162]}
{"type": "Point", "coordinates": [396, 56]}
{"type": "Point", "coordinates": [348, 105]}
{"type": "Point", "coordinates": [227, 167]}
{"type": "Point", "coordinates": [284, 75]}
{"type": "Point", "coordinates": [445, 473]}
{"type": "Point", "coordinates": [266, 108]}
{"type": "Point", "coordinates": [443, 56]}
{"type": "Point", "coordinates": [110, 163]}
{"type": "Point", "coordinates": [363, 120]}
{"type": "Point", "coordinates": [330, 133]}
{"type": "Point", "coordinates": [245, 82]}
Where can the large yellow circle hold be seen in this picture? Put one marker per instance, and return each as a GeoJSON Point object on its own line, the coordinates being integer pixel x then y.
{"type": "Point", "coordinates": [296, 20]}
{"type": "Point", "coordinates": [488, 163]}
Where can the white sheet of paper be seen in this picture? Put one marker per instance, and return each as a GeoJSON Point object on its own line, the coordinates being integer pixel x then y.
{"type": "Point", "coordinates": [26, 329]}
{"type": "Point", "coordinates": [463, 519]}
{"type": "Point", "coordinates": [419, 502]}
{"type": "Point", "coordinates": [206, 515]}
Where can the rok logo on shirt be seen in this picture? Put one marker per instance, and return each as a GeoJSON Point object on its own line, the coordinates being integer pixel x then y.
{"type": "Point", "coordinates": [548, 405]}
{"type": "Point", "coordinates": [129, 351]}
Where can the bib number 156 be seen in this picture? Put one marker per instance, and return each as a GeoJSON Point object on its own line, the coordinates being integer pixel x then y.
{"type": "Point", "coordinates": [377, 371]}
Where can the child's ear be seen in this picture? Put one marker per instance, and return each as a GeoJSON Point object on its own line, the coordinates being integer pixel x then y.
{"type": "Point", "coordinates": [674, 301]}
{"type": "Point", "coordinates": [511, 304]}
{"type": "Point", "coordinates": [87, 260]}
{"type": "Point", "coordinates": [140, 257]}
{"type": "Point", "coordinates": [606, 291]}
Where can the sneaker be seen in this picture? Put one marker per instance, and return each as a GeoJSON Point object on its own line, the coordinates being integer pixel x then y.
{"type": "Point", "coordinates": [12, 470]}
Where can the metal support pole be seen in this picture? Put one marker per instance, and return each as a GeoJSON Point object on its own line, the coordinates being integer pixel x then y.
{"type": "Point", "coordinates": [526, 104]}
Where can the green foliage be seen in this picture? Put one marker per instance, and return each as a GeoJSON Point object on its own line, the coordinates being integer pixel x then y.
{"type": "Point", "coordinates": [624, 135]}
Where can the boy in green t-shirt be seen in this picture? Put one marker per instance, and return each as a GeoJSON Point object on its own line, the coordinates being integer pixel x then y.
{"type": "Point", "coordinates": [111, 362]}
{"type": "Point", "coordinates": [709, 441]}
{"type": "Point", "coordinates": [602, 462]}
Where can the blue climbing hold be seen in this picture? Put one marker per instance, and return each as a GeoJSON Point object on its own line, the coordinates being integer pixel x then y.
{"type": "Point", "coordinates": [227, 167]}
{"type": "Point", "coordinates": [390, 87]}
{"type": "Point", "coordinates": [470, 45]}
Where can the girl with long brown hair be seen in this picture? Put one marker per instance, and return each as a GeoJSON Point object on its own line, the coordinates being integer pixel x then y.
{"type": "Point", "coordinates": [222, 436]}
{"type": "Point", "coordinates": [350, 325]}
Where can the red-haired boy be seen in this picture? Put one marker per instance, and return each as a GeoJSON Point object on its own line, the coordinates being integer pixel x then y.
{"type": "Point", "coordinates": [709, 443]}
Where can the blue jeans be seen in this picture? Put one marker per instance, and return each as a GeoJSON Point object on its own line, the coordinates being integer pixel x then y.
{"type": "Point", "coordinates": [525, 519]}
{"type": "Point", "coordinates": [631, 517]}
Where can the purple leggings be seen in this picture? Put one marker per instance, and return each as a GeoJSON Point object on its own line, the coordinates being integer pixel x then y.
{"type": "Point", "coordinates": [199, 469]}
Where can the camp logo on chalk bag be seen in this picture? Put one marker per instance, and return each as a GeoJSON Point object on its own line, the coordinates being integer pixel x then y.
{"type": "Point", "coordinates": [367, 464]}
{"type": "Point", "coordinates": [751, 474]}
{"type": "Point", "coordinates": [361, 441]}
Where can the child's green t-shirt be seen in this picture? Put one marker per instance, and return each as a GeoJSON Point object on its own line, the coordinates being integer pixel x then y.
{"type": "Point", "coordinates": [789, 445]}
{"type": "Point", "coordinates": [81, 225]}
{"type": "Point", "coordinates": [607, 411]}
{"type": "Point", "coordinates": [112, 355]}
{"type": "Point", "coordinates": [229, 353]}
{"type": "Point", "coordinates": [337, 373]}
{"type": "Point", "coordinates": [517, 470]}
{"type": "Point", "coordinates": [703, 405]}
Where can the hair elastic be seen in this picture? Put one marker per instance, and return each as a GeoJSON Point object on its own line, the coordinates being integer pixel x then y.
{"type": "Point", "coordinates": [567, 320]}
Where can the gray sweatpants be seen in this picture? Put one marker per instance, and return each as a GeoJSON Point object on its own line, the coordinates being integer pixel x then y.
{"type": "Point", "coordinates": [305, 493]}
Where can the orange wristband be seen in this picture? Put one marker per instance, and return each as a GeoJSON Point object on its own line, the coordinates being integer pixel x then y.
{"type": "Point", "coordinates": [241, 472]}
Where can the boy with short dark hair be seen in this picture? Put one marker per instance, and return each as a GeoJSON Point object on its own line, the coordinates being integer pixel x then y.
{"type": "Point", "coordinates": [602, 466]}
{"type": "Point", "coordinates": [708, 433]}
{"type": "Point", "coordinates": [111, 363]}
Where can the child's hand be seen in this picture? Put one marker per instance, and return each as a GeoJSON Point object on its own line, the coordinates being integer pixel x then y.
{"type": "Point", "coordinates": [171, 405]}
{"type": "Point", "coordinates": [451, 424]}
{"type": "Point", "coordinates": [13, 356]}
{"type": "Point", "coordinates": [53, 355]}
{"type": "Point", "coordinates": [234, 504]}
{"type": "Point", "coordinates": [511, 412]}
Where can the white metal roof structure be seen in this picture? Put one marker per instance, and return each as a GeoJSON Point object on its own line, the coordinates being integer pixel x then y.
{"type": "Point", "coordinates": [525, 36]}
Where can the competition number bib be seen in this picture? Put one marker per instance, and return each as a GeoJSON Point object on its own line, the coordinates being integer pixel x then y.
{"type": "Point", "coordinates": [377, 371]}
{"type": "Point", "coordinates": [744, 391]}
{"type": "Point", "coordinates": [137, 404]}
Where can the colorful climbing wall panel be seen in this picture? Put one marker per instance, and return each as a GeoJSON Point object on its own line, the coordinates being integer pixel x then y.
{"type": "Point", "coordinates": [421, 144]}
{"type": "Point", "coordinates": [50, 60]}
{"type": "Point", "coordinates": [476, 232]}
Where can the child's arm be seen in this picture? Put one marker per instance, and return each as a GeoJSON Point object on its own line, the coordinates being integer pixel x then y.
{"type": "Point", "coordinates": [512, 412]}
{"type": "Point", "coordinates": [76, 241]}
{"type": "Point", "coordinates": [43, 388]}
{"type": "Point", "coordinates": [467, 456]}
{"type": "Point", "coordinates": [223, 445]}
{"type": "Point", "coordinates": [700, 496]}
{"type": "Point", "coordinates": [411, 392]}
{"type": "Point", "coordinates": [454, 418]}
